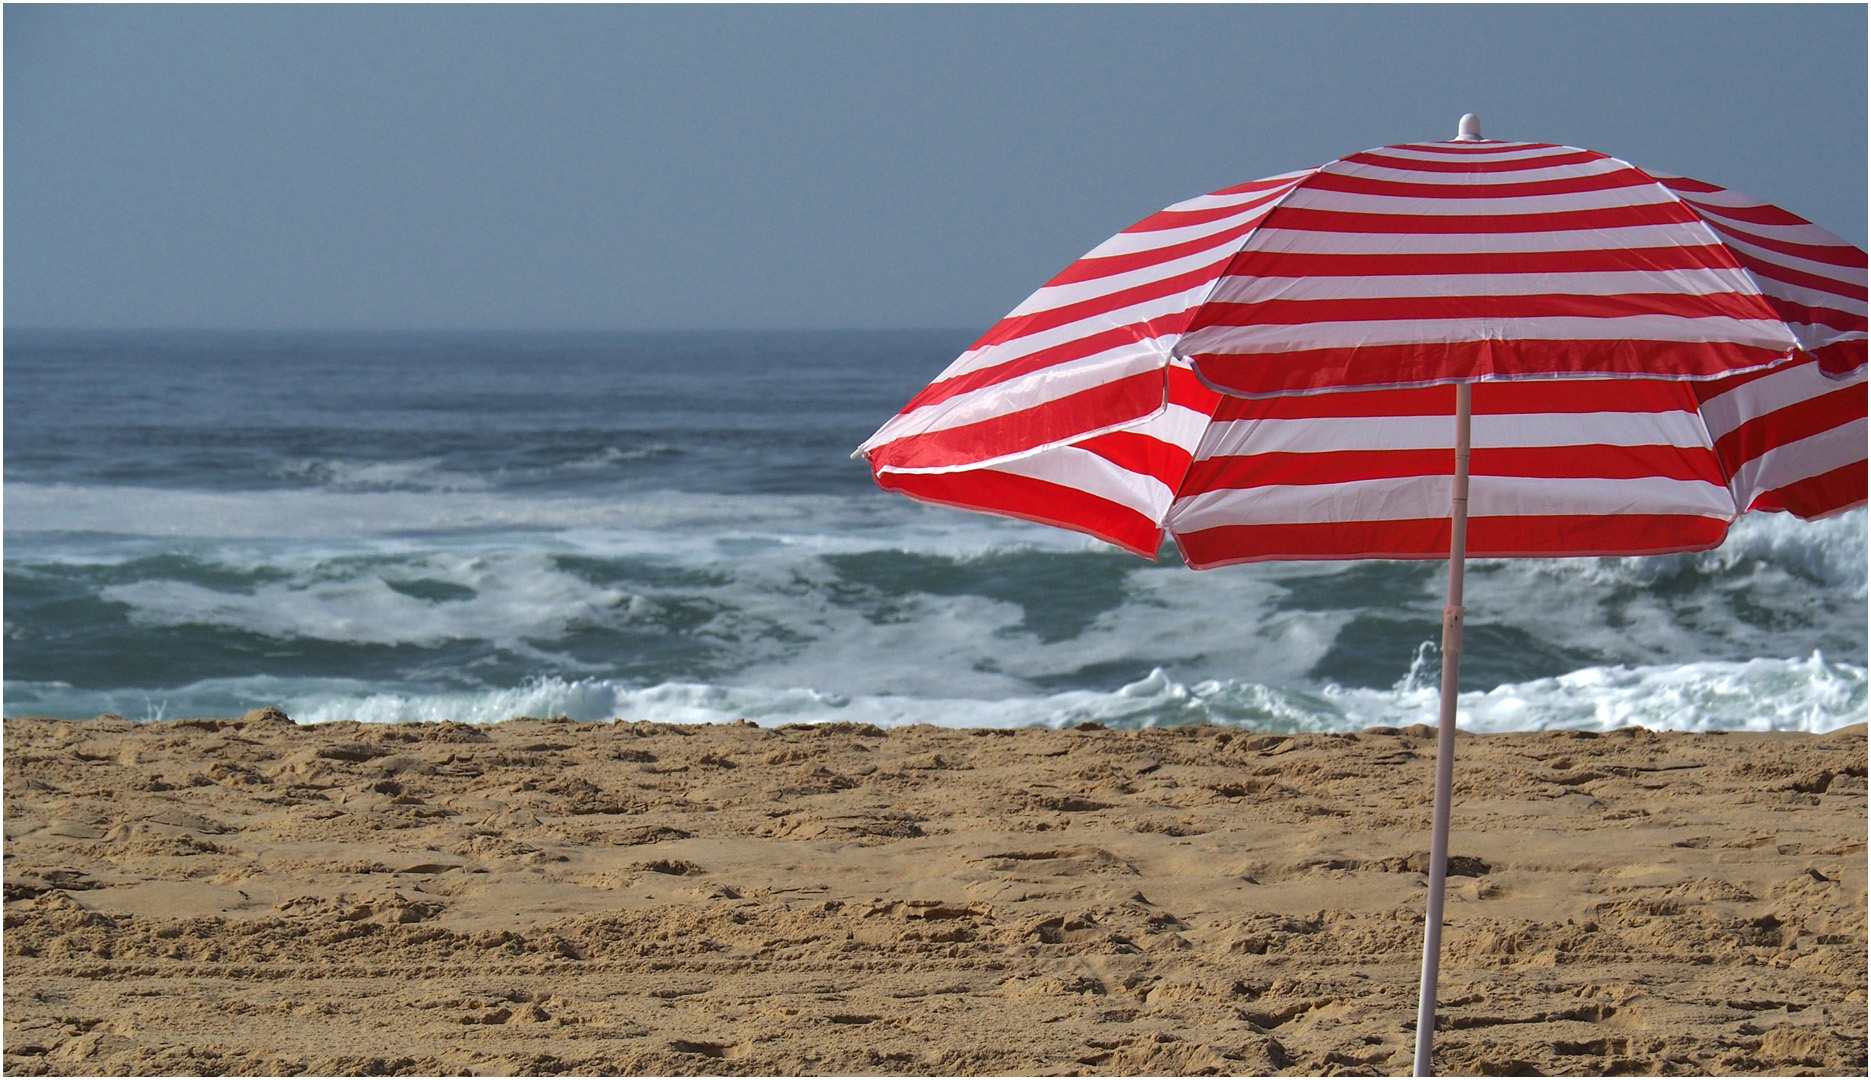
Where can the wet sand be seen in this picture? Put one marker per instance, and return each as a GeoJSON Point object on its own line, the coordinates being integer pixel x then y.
{"type": "Point", "coordinates": [540, 896]}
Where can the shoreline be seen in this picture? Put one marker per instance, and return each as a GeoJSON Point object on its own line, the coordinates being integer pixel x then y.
{"type": "Point", "coordinates": [547, 896]}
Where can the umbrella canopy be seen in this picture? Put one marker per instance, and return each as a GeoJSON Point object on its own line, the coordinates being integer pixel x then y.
{"type": "Point", "coordinates": [1174, 379]}
{"type": "Point", "coordinates": [1632, 360]}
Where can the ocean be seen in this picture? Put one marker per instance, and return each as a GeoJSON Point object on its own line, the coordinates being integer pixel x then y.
{"type": "Point", "coordinates": [667, 526]}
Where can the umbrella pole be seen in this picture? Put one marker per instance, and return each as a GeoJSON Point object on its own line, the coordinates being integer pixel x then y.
{"type": "Point", "coordinates": [1445, 738]}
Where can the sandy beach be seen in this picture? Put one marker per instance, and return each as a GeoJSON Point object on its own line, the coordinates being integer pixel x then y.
{"type": "Point", "coordinates": [541, 896]}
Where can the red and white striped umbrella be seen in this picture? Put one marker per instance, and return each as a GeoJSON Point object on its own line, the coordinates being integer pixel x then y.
{"type": "Point", "coordinates": [1712, 349]}
{"type": "Point", "coordinates": [1265, 372]}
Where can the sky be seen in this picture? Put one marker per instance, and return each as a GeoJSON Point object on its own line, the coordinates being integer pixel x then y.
{"type": "Point", "coordinates": [779, 167]}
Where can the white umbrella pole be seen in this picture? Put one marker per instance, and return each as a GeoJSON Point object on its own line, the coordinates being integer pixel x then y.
{"type": "Point", "coordinates": [1445, 738]}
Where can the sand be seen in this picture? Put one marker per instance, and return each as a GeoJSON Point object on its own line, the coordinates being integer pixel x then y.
{"type": "Point", "coordinates": [541, 896]}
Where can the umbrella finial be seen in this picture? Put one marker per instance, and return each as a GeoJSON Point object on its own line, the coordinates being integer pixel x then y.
{"type": "Point", "coordinates": [1468, 129]}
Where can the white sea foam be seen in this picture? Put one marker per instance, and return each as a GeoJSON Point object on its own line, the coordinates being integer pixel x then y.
{"type": "Point", "coordinates": [687, 526]}
{"type": "Point", "coordinates": [783, 615]}
{"type": "Point", "coordinates": [344, 476]}
{"type": "Point", "coordinates": [355, 508]}
{"type": "Point", "coordinates": [419, 474]}
{"type": "Point", "coordinates": [612, 456]}
{"type": "Point", "coordinates": [1831, 551]}
{"type": "Point", "coordinates": [780, 613]}
{"type": "Point", "coordinates": [320, 514]}
{"type": "Point", "coordinates": [1813, 695]}
{"type": "Point", "coordinates": [1809, 695]}
{"type": "Point", "coordinates": [508, 598]}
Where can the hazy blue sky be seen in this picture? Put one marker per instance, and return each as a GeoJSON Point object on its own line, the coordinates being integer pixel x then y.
{"type": "Point", "coordinates": [734, 167]}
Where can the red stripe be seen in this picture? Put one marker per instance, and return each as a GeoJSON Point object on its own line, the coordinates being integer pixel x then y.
{"type": "Point", "coordinates": [1684, 183]}
{"type": "Point", "coordinates": [1032, 500]}
{"type": "Point", "coordinates": [1409, 401]}
{"type": "Point", "coordinates": [1569, 185]}
{"type": "Point", "coordinates": [1599, 462]}
{"type": "Point", "coordinates": [1065, 352]}
{"type": "Point", "coordinates": [1428, 538]}
{"type": "Point", "coordinates": [1761, 268]}
{"type": "Point", "coordinates": [1577, 157]}
{"type": "Point", "coordinates": [1797, 421]}
{"type": "Point", "coordinates": [1019, 326]}
{"type": "Point", "coordinates": [1805, 315]}
{"type": "Point", "coordinates": [1402, 365]}
{"type": "Point", "coordinates": [1819, 496]}
{"type": "Point", "coordinates": [1190, 392]}
{"type": "Point", "coordinates": [1757, 214]}
{"type": "Point", "coordinates": [1529, 306]}
{"type": "Point", "coordinates": [1185, 388]}
{"type": "Point", "coordinates": [1277, 264]}
{"type": "Point", "coordinates": [1579, 396]}
{"type": "Point", "coordinates": [1590, 462]}
{"type": "Point", "coordinates": [1059, 420]}
{"type": "Point", "coordinates": [1834, 254]}
{"type": "Point", "coordinates": [1091, 268]}
{"type": "Point", "coordinates": [1710, 389]}
{"type": "Point", "coordinates": [1141, 454]}
{"type": "Point", "coordinates": [1486, 146]}
{"type": "Point", "coordinates": [1841, 357]}
{"type": "Point", "coordinates": [1256, 185]}
{"type": "Point", "coordinates": [1308, 219]}
{"type": "Point", "coordinates": [1490, 398]}
{"type": "Point", "coordinates": [1182, 219]}
{"type": "Point", "coordinates": [1329, 467]}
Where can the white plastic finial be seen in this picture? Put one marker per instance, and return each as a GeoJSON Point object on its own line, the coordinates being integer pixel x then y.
{"type": "Point", "coordinates": [1468, 129]}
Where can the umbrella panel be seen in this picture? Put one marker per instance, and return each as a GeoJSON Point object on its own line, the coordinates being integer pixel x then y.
{"type": "Point", "coordinates": [1562, 468]}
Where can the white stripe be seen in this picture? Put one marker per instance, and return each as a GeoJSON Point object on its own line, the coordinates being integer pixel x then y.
{"type": "Point", "coordinates": [1700, 282]}
{"type": "Point", "coordinates": [1026, 392]}
{"type": "Point", "coordinates": [1239, 198]}
{"type": "Point", "coordinates": [1239, 340]}
{"type": "Point", "coordinates": [1504, 152]}
{"type": "Point", "coordinates": [1493, 431]}
{"type": "Point", "coordinates": [1427, 206]}
{"type": "Point", "coordinates": [1814, 337]}
{"type": "Point", "coordinates": [1810, 235]}
{"type": "Point", "coordinates": [1413, 497]}
{"type": "Point", "coordinates": [1723, 197]}
{"type": "Point", "coordinates": [1854, 275]}
{"type": "Point", "coordinates": [1801, 382]}
{"type": "Point", "coordinates": [1058, 296]}
{"type": "Point", "coordinates": [1554, 152]}
{"type": "Point", "coordinates": [1713, 205]}
{"type": "Point", "coordinates": [1804, 232]}
{"type": "Point", "coordinates": [1402, 173]}
{"type": "Point", "coordinates": [1800, 459]}
{"type": "Point", "coordinates": [1136, 243]}
{"type": "Point", "coordinates": [1085, 471]}
{"type": "Point", "coordinates": [1272, 238]}
{"type": "Point", "coordinates": [1132, 317]}
{"type": "Point", "coordinates": [1177, 425]}
{"type": "Point", "coordinates": [1800, 294]}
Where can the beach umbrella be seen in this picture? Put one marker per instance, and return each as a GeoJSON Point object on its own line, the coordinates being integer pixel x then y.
{"type": "Point", "coordinates": [1312, 366]}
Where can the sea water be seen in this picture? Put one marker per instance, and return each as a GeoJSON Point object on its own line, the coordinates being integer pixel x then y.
{"type": "Point", "coordinates": [668, 527]}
